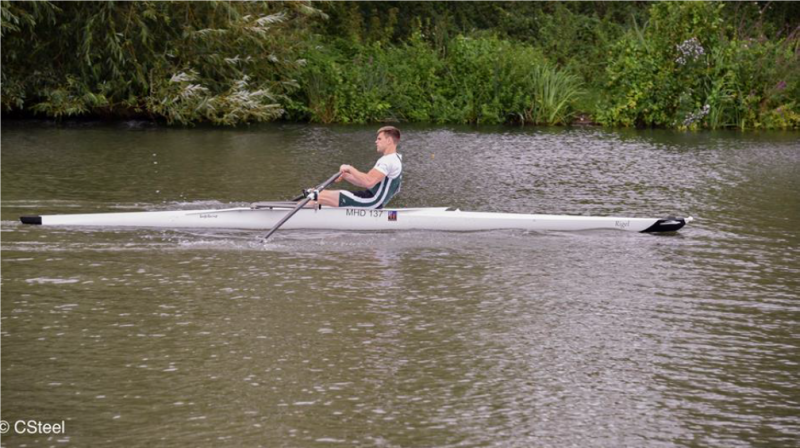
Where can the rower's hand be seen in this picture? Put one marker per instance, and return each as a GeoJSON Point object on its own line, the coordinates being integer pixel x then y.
{"type": "Point", "coordinates": [344, 169]}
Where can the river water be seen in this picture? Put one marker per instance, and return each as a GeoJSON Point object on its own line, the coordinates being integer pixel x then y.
{"type": "Point", "coordinates": [513, 339]}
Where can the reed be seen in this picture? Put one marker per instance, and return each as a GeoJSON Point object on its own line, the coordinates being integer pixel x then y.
{"type": "Point", "coordinates": [554, 95]}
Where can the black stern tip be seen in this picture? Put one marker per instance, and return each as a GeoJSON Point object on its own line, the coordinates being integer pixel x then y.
{"type": "Point", "coordinates": [669, 224]}
{"type": "Point", "coordinates": [31, 220]}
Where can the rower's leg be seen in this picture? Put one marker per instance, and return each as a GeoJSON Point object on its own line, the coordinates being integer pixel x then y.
{"type": "Point", "coordinates": [329, 198]}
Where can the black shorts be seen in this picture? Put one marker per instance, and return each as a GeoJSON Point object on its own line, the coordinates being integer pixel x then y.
{"type": "Point", "coordinates": [362, 193]}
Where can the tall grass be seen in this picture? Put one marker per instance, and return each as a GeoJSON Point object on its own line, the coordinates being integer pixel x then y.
{"type": "Point", "coordinates": [554, 93]}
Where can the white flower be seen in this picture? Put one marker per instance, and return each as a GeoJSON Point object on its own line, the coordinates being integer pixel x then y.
{"type": "Point", "coordinates": [690, 49]}
{"type": "Point", "coordinates": [693, 117]}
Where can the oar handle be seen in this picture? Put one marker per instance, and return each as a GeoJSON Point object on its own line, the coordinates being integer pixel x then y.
{"type": "Point", "coordinates": [329, 181]}
{"type": "Point", "coordinates": [301, 204]}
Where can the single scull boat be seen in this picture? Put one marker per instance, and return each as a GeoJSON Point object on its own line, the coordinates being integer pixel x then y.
{"type": "Point", "coordinates": [265, 215]}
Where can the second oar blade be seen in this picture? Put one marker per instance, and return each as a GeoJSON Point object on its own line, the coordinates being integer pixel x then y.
{"type": "Point", "coordinates": [300, 205]}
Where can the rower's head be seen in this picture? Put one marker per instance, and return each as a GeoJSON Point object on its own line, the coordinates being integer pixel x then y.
{"type": "Point", "coordinates": [388, 138]}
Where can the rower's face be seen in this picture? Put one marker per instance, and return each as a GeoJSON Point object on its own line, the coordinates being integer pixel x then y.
{"type": "Point", "coordinates": [382, 142]}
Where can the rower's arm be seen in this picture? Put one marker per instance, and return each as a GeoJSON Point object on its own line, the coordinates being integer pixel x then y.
{"type": "Point", "coordinates": [365, 180]}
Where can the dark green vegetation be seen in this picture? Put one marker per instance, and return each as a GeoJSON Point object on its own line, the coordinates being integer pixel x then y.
{"type": "Point", "coordinates": [678, 65]}
{"type": "Point", "coordinates": [226, 63]}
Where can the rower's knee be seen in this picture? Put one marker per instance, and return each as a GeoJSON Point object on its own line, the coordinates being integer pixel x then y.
{"type": "Point", "coordinates": [329, 198]}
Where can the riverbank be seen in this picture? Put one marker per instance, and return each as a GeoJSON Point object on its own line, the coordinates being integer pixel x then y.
{"type": "Point", "coordinates": [692, 65]}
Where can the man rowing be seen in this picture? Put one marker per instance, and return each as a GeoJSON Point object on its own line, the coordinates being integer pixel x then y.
{"type": "Point", "coordinates": [382, 182]}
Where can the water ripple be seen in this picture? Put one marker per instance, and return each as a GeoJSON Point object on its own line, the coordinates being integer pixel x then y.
{"type": "Point", "coordinates": [406, 338]}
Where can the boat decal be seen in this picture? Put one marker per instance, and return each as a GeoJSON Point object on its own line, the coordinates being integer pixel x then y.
{"type": "Point", "coordinates": [208, 215]}
{"type": "Point", "coordinates": [364, 212]}
{"type": "Point", "coordinates": [392, 215]}
{"type": "Point", "coordinates": [622, 224]}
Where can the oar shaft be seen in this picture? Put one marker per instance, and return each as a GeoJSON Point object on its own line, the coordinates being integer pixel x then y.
{"type": "Point", "coordinates": [286, 218]}
{"type": "Point", "coordinates": [300, 205]}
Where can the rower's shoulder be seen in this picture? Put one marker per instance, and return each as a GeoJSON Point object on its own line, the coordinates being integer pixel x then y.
{"type": "Point", "coordinates": [389, 156]}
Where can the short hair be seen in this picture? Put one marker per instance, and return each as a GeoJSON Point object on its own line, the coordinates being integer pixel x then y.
{"type": "Point", "coordinates": [392, 132]}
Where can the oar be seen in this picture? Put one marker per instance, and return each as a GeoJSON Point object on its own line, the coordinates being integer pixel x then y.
{"type": "Point", "coordinates": [305, 193]}
{"type": "Point", "coordinates": [302, 204]}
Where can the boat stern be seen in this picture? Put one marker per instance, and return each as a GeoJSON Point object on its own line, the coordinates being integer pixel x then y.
{"type": "Point", "coordinates": [668, 224]}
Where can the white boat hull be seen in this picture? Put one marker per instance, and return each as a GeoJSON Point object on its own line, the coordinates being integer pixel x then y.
{"type": "Point", "coordinates": [353, 219]}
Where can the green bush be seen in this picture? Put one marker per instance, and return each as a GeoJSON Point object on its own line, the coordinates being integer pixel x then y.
{"type": "Point", "coordinates": [578, 41]}
{"type": "Point", "coordinates": [486, 79]}
{"type": "Point", "coordinates": [655, 75]}
{"type": "Point", "coordinates": [687, 70]}
{"type": "Point", "coordinates": [415, 71]}
{"type": "Point", "coordinates": [341, 88]}
{"type": "Point", "coordinates": [490, 81]}
{"type": "Point", "coordinates": [482, 80]}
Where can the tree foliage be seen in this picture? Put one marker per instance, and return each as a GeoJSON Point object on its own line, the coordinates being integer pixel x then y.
{"type": "Point", "coordinates": [666, 64]}
{"type": "Point", "coordinates": [529, 22]}
{"type": "Point", "coordinates": [220, 62]}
